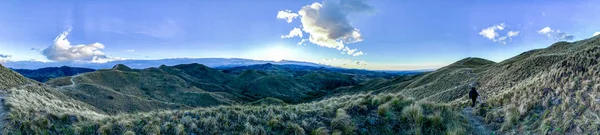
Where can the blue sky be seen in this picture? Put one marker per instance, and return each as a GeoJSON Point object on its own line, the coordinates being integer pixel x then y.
{"type": "Point", "coordinates": [389, 34]}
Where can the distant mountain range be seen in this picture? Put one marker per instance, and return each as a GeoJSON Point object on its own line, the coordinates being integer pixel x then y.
{"type": "Point", "coordinates": [44, 74]}
{"type": "Point", "coordinates": [43, 71]}
{"type": "Point", "coordinates": [142, 64]}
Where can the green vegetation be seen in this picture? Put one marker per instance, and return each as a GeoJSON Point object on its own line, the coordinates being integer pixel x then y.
{"type": "Point", "coordinates": [336, 115]}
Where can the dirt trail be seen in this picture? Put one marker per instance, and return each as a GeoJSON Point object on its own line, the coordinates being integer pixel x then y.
{"type": "Point", "coordinates": [479, 128]}
{"type": "Point", "coordinates": [72, 81]}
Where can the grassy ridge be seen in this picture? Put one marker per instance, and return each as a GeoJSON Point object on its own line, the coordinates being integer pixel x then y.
{"type": "Point", "coordinates": [546, 91]}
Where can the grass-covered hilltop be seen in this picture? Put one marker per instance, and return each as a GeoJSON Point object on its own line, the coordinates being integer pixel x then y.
{"type": "Point", "coordinates": [554, 90]}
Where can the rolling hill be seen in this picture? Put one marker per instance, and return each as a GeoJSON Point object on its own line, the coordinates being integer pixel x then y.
{"type": "Point", "coordinates": [35, 108]}
{"type": "Point", "coordinates": [126, 90]}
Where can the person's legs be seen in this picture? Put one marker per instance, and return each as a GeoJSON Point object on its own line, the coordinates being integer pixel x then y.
{"type": "Point", "coordinates": [473, 100]}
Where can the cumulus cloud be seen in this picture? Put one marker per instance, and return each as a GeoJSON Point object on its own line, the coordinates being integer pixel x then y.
{"type": "Point", "coordinates": [556, 35]}
{"type": "Point", "coordinates": [596, 34]}
{"type": "Point", "coordinates": [296, 32]}
{"type": "Point", "coordinates": [512, 33]}
{"type": "Point", "coordinates": [287, 15]}
{"type": "Point", "coordinates": [545, 30]}
{"type": "Point", "coordinates": [327, 23]}
{"type": "Point", "coordinates": [493, 33]}
{"type": "Point", "coordinates": [62, 50]}
{"type": "Point", "coordinates": [131, 50]}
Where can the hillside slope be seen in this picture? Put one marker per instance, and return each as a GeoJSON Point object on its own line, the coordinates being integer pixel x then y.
{"type": "Point", "coordinates": [123, 89]}
{"type": "Point", "coordinates": [446, 84]}
{"type": "Point", "coordinates": [51, 112]}
{"type": "Point", "coordinates": [552, 90]}
{"type": "Point", "coordinates": [29, 107]}
{"type": "Point", "coordinates": [127, 90]}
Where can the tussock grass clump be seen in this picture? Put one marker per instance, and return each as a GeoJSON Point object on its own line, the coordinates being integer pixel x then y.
{"type": "Point", "coordinates": [342, 122]}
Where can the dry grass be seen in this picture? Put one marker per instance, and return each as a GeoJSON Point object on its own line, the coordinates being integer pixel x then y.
{"type": "Point", "coordinates": [546, 91]}
{"type": "Point", "coordinates": [341, 115]}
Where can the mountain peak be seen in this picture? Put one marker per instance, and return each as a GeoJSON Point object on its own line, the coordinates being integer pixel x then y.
{"type": "Point", "coordinates": [472, 62]}
{"type": "Point", "coordinates": [121, 67]}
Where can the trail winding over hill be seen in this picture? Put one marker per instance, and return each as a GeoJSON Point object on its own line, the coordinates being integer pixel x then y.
{"type": "Point", "coordinates": [479, 128]}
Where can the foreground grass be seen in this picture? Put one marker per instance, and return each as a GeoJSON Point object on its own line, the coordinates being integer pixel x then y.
{"type": "Point", "coordinates": [355, 114]}
{"type": "Point", "coordinates": [549, 91]}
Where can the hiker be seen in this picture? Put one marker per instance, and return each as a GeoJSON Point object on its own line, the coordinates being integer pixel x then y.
{"type": "Point", "coordinates": [473, 95]}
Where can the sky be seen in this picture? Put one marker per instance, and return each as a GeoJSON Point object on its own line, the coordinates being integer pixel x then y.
{"type": "Point", "coordinates": [367, 34]}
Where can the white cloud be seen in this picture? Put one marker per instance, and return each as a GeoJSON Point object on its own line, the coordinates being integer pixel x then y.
{"type": "Point", "coordinates": [512, 33]}
{"type": "Point", "coordinates": [353, 52]}
{"type": "Point", "coordinates": [296, 32]}
{"type": "Point", "coordinates": [492, 33]}
{"type": "Point", "coordinates": [130, 50]}
{"type": "Point", "coordinates": [545, 30]}
{"type": "Point", "coordinates": [489, 33]}
{"type": "Point", "coordinates": [287, 15]}
{"type": "Point", "coordinates": [62, 50]}
{"type": "Point", "coordinates": [346, 63]}
{"type": "Point", "coordinates": [596, 34]}
{"type": "Point", "coordinates": [358, 53]}
{"type": "Point", "coordinates": [556, 35]}
{"type": "Point", "coordinates": [327, 23]}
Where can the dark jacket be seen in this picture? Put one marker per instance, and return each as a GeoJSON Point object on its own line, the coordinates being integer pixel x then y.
{"type": "Point", "coordinates": [473, 93]}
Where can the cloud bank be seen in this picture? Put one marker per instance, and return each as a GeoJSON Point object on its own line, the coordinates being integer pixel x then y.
{"type": "Point", "coordinates": [327, 23]}
{"type": "Point", "coordinates": [62, 50]}
{"type": "Point", "coordinates": [556, 35]}
{"type": "Point", "coordinates": [596, 34]}
{"type": "Point", "coordinates": [492, 33]}
{"type": "Point", "coordinates": [342, 62]}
